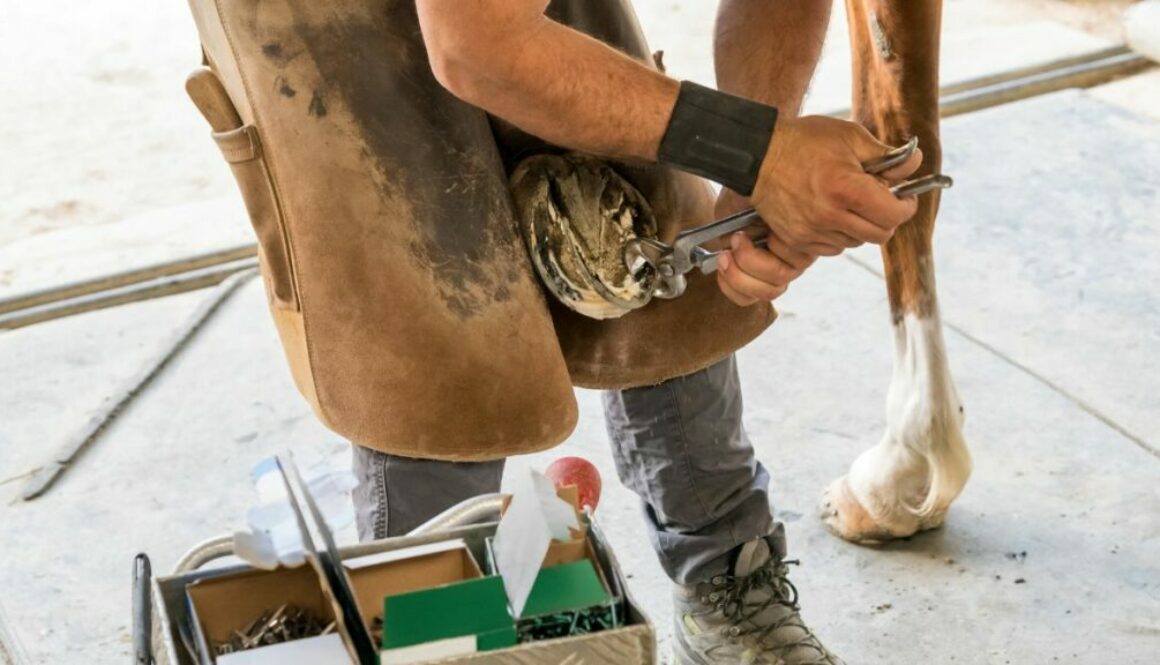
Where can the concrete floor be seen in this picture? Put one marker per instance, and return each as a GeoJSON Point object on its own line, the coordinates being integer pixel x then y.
{"type": "Point", "coordinates": [1046, 254]}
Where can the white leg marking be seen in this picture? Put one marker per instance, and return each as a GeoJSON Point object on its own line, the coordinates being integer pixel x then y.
{"type": "Point", "coordinates": [907, 481]}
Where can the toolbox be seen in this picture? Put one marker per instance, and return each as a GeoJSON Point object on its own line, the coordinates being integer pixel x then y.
{"type": "Point", "coordinates": [195, 606]}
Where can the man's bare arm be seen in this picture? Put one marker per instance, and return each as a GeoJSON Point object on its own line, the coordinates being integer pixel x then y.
{"type": "Point", "coordinates": [507, 58]}
{"type": "Point", "coordinates": [767, 50]}
{"type": "Point", "coordinates": [554, 82]}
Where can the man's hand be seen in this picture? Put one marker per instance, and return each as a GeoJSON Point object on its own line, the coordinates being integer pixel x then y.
{"type": "Point", "coordinates": [507, 58]}
{"type": "Point", "coordinates": [747, 273]}
{"type": "Point", "coordinates": [814, 194]}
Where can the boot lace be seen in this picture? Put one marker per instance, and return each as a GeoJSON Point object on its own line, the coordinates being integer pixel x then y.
{"type": "Point", "coordinates": [731, 593]}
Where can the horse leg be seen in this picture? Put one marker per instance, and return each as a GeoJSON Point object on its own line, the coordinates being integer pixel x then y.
{"type": "Point", "coordinates": [906, 483]}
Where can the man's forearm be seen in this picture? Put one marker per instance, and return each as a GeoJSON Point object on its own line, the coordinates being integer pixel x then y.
{"type": "Point", "coordinates": [552, 82]}
{"type": "Point", "coordinates": [805, 179]}
{"type": "Point", "coordinates": [767, 50]}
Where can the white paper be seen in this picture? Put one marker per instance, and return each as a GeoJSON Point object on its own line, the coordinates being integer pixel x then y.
{"type": "Point", "coordinates": [535, 517]}
{"type": "Point", "coordinates": [560, 515]}
{"type": "Point", "coordinates": [274, 539]}
{"type": "Point", "coordinates": [430, 651]}
{"type": "Point", "coordinates": [321, 650]}
{"type": "Point", "coordinates": [256, 549]}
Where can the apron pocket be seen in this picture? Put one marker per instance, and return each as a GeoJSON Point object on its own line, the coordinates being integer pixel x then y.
{"type": "Point", "coordinates": [243, 150]}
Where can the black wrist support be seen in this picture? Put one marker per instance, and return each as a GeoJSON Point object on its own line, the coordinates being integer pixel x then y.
{"type": "Point", "coordinates": [718, 136]}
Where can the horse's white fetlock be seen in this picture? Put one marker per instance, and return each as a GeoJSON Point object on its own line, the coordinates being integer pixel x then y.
{"type": "Point", "coordinates": [906, 483]}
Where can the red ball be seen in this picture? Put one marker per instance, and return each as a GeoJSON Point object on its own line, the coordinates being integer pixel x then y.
{"type": "Point", "coordinates": [579, 472]}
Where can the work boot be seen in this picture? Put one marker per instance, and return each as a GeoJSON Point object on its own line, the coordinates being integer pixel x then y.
{"type": "Point", "coordinates": [749, 617]}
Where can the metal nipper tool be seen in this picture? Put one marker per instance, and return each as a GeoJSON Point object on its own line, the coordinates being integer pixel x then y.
{"type": "Point", "coordinates": [666, 265]}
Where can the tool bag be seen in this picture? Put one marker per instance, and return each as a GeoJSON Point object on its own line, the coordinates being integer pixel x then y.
{"type": "Point", "coordinates": [405, 301]}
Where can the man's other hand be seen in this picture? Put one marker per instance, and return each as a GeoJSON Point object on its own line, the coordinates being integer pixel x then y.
{"type": "Point", "coordinates": [748, 273]}
{"type": "Point", "coordinates": [814, 194]}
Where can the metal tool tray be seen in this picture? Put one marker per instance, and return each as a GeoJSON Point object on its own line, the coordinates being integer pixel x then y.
{"type": "Point", "coordinates": [634, 643]}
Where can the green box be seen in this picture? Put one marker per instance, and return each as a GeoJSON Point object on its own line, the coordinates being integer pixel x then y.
{"type": "Point", "coordinates": [473, 607]}
{"type": "Point", "coordinates": [566, 600]}
{"type": "Point", "coordinates": [570, 596]}
{"type": "Point", "coordinates": [569, 586]}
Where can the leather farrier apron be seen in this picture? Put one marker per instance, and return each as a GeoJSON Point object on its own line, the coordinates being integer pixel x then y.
{"type": "Point", "coordinates": [405, 301]}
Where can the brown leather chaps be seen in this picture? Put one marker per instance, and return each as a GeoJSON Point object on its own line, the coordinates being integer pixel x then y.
{"type": "Point", "coordinates": [407, 306]}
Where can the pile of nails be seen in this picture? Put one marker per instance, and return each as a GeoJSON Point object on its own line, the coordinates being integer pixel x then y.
{"type": "Point", "coordinates": [285, 624]}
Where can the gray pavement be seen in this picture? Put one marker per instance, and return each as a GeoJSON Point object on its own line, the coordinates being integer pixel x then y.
{"type": "Point", "coordinates": [1052, 554]}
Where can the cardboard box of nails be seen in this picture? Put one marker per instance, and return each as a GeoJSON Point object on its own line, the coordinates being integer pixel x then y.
{"type": "Point", "coordinates": [539, 587]}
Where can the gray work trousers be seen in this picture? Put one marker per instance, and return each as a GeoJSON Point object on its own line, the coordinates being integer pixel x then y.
{"type": "Point", "coordinates": [679, 445]}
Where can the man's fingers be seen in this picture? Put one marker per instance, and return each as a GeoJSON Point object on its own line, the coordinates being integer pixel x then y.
{"type": "Point", "coordinates": [743, 284]}
{"type": "Point", "coordinates": [839, 238]}
{"type": "Point", "coordinates": [819, 249]}
{"type": "Point", "coordinates": [853, 231]}
{"type": "Point", "coordinates": [724, 264]}
{"type": "Point", "coordinates": [905, 169]}
{"type": "Point", "coordinates": [761, 263]}
{"type": "Point", "coordinates": [867, 231]}
{"type": "Point", "coordinates": [839, 241]}
{"type": "Point", "coordinates": [798, 259]}
{"type": "Point", "coordinates": [870, 199]}
{"type": "Point", "coordinates": [731, 294]}
{"type": "Point", "coordinates": [867, 147]}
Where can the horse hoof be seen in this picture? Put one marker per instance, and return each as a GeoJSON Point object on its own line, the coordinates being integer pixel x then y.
{"type": "Point", "coordinates": [846, 518]}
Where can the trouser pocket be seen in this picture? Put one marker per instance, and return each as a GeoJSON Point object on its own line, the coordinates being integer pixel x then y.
{"type": "Point", "coordinates": [242, 148]}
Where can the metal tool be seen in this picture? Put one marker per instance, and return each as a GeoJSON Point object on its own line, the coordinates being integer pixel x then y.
{"type": "Point", "coordinates": [285, 624]}
{"type": "Point", "coordinates": [142, 611]}
{"type": "Point", "coordinates": [650, 260]}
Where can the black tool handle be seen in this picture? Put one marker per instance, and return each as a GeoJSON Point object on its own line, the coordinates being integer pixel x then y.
{"type": "Point", "coordinates": [142, 611]}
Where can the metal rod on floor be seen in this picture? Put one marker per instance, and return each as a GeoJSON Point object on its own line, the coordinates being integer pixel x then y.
{"type": "Point", "coordinates": [1081, 71]}
{"type": "Point", "coordinates": [1032, 70]}
{"type": "Point", "coordinates": [44, 477]}
{"type": "Point", "coordinates": [101, 299]}
{"type": "Point", "coordinates": [1081, 75]}
{"type": "Point", "coordinates": [136, 276]}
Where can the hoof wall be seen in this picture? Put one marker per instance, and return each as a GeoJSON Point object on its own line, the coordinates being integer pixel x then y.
{"type": "Point", "coordinates": [846, 518]}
